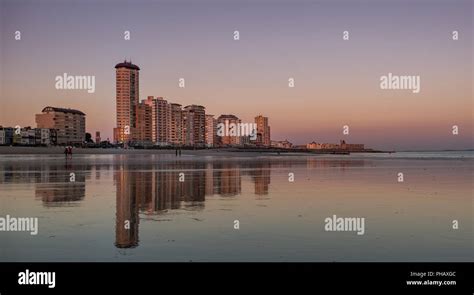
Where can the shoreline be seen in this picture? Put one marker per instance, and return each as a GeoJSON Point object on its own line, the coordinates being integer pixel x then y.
{"type": "Point", "coordinates": [58, 150]}
{"type": "Point", "coordinates": [21, 150]}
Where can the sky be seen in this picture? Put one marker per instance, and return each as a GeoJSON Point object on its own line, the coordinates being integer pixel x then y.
{"type": "Point", "coordinates": [337, 82]}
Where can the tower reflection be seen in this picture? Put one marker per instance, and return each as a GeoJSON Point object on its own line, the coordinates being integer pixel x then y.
{"type": "Point", "coordinates": [156, 188]}
{"type": "Point", "coordinates": [127, 219]}
{"type": "Point", "coordinates": [153, 185]}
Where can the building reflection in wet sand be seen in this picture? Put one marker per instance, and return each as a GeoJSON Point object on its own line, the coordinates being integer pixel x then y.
{"type": "Point", "coordinates": [127, 219]}
{"type": "Point", "coordinates": [53, 183]}
{"type": "Point", "coordinates": [159, 190]}
{"type": "Point", "coordinates": [61, 186]}
{"type": "Point", "coordinates": [151, 187]}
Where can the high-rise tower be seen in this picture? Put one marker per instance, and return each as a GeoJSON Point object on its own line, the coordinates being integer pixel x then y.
{"type": "Point", "coordinates": [127, 99]}
{"type": "Point", "coordinates": [263, 131]}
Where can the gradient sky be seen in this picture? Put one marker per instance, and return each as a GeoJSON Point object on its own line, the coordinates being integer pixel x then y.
{"type": "Point", "coordinates": [337, 82]}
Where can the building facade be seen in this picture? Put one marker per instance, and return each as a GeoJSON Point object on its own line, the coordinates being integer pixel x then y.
{"type": "Point", "coordinates": [98, 139]}
{"type": "Point", "coordinates": [263, 131]}
{"type": "Point", "coordinates": [6, 135]}
{"type": "Point", "coordinates": [177, 134]}
{"type": "Point", "coordinates": [313, 146]}
{"type": "Point", "coordinates": [161, 120]}
{"type": "Point", "coordinates": [70, 124]}
{"type": "Point", "coordinates": [144, 124]}
{"type": "Point", "coordinates": [195, 125]}
{"type": "Point", "coordinates": [43, 136]}
{"type": "Point", "coordinates": [225, 138]}
{"type": "Point", "coordinates": [284, 144]}
{"type": "Point", "coordinates": [211, 131]}
{"type": "Point", "coordinates": [351, 146]}
{"type": "Point", "coordinates": [127, 100]}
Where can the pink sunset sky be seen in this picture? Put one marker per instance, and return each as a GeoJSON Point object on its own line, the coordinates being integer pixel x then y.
{"type": "Point", "coordinates": [337, 82]}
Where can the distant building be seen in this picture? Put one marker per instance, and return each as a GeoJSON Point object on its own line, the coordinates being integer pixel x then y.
{"type": "Point", "coordinates": [27, 136]}
{"type": "Point", "coordinates": [332, 146]}
{"type": "Point", "coordinates": [225, 139]}
{"type": "Point", "coordinates": [127, 99]}
{"type": "Point", "coordinates": [211, 129]}
{"type": "Point", "coordinates": [322, 146]}
{"type": "Point", "coordinates": [351, 146]}
{"type": "Point", "coordinates": [329, 146]}
{"type": "Point", "coordinates": [313, 146]}
{"type": "Point", "coordinates": [44, 136]}
{"type": "Point", "coordinates": [285, 144]}
{"type": "Point", "coordinates": [6, 135]}
{"type": "Point", "coordinates": [97, 137]}
{"type": "Point", "coordinates": [161, 120]}
{"type": "Point", "coordinates": [263, 131]}
{"type": "Point", "coordinates": [246, 140]}
{"type": "Point", "coordinates": [70, 124]}
{"type": "Point", "coordinates": [17, 138]}
{"type": "Point", "coordinates": [144, 124]}
{"type": "Point", "coordinates": [177, 133]}
{"type": "Point", "coordinates": [195, 125]}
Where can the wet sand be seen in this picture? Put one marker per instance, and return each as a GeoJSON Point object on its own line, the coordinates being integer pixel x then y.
{"type": "Point", "coordinates": [8, 150]}
{"type": "Point", "coordinates": [280, 220]}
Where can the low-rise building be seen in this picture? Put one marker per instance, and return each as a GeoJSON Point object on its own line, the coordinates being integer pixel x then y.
{"type": "Point", "coordinates": [69, 123]}
{"type": "Point", "coordinates": [281, 144]}
{"type": "Point", "coordinates": [332, 146]}
{"type": "Point", "coordinates": [44, 136]}
{"type": "Point", "coordinates": [329, 146]}
{"type": "Point", "coordinates": [313, 146]}
{"type": "Point", "coordinates": [6, 135]}
{"type": "Point", "coordinates": [352, 146]}
{"type": "Point", "coordinates": [28, 136]}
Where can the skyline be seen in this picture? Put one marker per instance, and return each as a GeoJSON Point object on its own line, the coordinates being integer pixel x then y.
{"type": "Point", "coordinates": [336, 87]}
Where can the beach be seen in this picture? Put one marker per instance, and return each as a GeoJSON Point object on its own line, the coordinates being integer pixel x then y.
{"type": "Point", "coordinates": [185, 208]}
{"type": "Point", "coordinates": [17, 150]}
